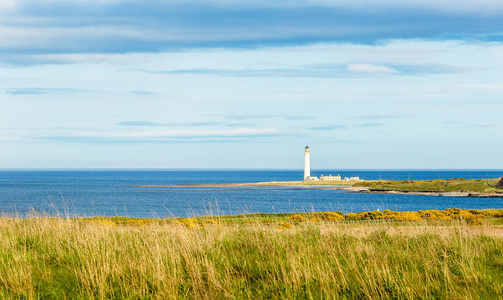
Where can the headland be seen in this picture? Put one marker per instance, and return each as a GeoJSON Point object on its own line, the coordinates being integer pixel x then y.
{"type": "Point", "coordinates": [455, 187]}
{"type": "Point", "coordinates": [325, 183]}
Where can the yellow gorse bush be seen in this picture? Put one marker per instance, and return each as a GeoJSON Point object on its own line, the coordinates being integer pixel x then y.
{"type": "Point", "coordinates": [210, 222]}
{"type": "Point", "coordinates": [493, 213]}
{"type": "Point", "coordinates": [103, 223]}
{"type": "Point", "coordinates": [250, 222]}
{"type": "Point", "coordinates": [326, 216]}
{"type": "Point", "coordinates": [435, 215]}
{"type": "Point", "coordinates": [284, 225]}
{"type": "Point", "coordinates": [135, 222]}
{"type": "Point", "coordinates": [189, 222]}
{"type": "Point", "coordinates": [297, 218]}
{"type": "Point", "coordinates": [472, 217]}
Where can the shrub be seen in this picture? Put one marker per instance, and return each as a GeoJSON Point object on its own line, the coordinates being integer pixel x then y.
{"type": "Point", "coordinates": [103, 223]}
{"type": "Point", "coordinates": [177, 223]}
{"type": "Point", "coordinates": [284, 225]}
{"type": "Point", "coordinates": [473, 220]}
{"type": "Point", "coordinates": [189, 222]}
{"type": "Point", "coordinates": [500, 183]}
{"type": "Point", "coordinates": [250, 222]}
{"type": "Point", "coordinates": [434, 215]}
{"type": "Point", "coordinates": [135, 222]}
{"type": "Point", "coordinates": [350, 216]}
{"type": "Point", "coordinates": [297, 218]}
{"type": "Point", "coordinates": [408, 216]}
{"type": "Point", "coordinates": [493, 213]}
{"type": "Point", "coordinates": [326, 216]}
{"type": "Point", "coordinates": [211, 222]}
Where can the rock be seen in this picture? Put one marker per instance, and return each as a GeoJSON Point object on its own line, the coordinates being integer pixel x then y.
{"type": "Point", "coordinates": [500, 183]}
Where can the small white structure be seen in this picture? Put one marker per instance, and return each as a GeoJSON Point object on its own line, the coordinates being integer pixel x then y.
{"type": "Point", "coordinates": [330, 177]}
{"type": "Point", "coordinates": [356, 178]}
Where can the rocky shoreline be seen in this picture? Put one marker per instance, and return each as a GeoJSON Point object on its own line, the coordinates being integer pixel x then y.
{"type": "Point", "coordinates": [424, 193]}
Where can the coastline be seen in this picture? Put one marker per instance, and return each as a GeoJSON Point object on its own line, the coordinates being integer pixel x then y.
{"type": "Point", "coordinates": [333, 185]}
{"type": "Point", "coordinates": [258, 184]}
{"type": "Point", "coordinates": [423, 193]}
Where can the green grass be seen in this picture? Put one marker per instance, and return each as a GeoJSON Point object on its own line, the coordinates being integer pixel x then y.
{"type": "Point", "coordinates": [255, 257]}
{"type": "Point", "coordinates": [483, 186]}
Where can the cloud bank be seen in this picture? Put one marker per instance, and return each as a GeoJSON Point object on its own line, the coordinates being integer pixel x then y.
{"type": "Point", "coordinates": [179, 135]}
{"type": "Point", "coordinates": [326, 70]}
{"type": "Point", "coordinates": [104, 27]}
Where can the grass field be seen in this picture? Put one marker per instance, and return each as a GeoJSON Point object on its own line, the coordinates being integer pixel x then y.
{"type": "Point", "coordinates": [452, 254]}
{"type": "Point", "coordinates": [483, 186]}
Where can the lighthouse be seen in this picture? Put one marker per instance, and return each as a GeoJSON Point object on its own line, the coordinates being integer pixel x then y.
{"type": "Point", "coordinates": [307, 164]}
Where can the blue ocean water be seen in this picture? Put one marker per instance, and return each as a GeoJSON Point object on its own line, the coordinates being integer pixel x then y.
{"type": "Point", "coordinates": [111, 192]}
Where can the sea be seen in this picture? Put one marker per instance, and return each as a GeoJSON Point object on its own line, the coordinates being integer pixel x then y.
{"type": "Point", "coordinates": [114, 193]}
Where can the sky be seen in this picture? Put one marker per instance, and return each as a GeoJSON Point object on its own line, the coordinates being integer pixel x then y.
{"type": "Point", "coordinates": [366, 84]}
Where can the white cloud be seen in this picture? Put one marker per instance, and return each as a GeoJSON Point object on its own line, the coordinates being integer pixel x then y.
{"type": "Point", "coordinates": [465, 6]}
{"type": "Point", "coordinates": [371, 69]}
{"type": "Point", "coordinates": [469, 6]}
{"type": "Point", "coordinates": [6, 5]}
{"type": "Point", "coordinates": [167, 135]}
{"type": "Point", "coordinates": [487, 87]}
{"type": "Point", "coordinates": [196, 133]}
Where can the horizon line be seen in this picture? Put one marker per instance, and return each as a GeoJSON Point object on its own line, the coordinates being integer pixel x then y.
{"type": "Point", "coordinates": [238, 169]}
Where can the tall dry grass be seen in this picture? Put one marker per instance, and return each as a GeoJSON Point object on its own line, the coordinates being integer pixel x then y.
{"type": "Point", "coordinates": [57, 258]}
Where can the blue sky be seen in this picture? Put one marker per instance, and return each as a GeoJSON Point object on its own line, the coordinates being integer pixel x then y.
{"type": "Point", "coordinates": [240, 84]}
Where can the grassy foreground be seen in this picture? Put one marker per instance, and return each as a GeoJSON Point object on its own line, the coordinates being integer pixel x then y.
{"type": "Point", "coordinates": [373, 255]}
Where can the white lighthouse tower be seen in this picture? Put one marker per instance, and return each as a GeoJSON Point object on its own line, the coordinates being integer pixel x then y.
{"type": "Point", "coordinates": [307, 164]}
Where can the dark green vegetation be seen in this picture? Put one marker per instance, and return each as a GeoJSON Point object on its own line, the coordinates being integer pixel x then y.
{"type": "Point", "coordinates": [373, 255]}
{"type": "Point", "coordinates": [482, 186]}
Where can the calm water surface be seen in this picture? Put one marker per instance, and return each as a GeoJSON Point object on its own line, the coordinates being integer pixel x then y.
{"type": "Point", "coordinates": [111, 193]}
